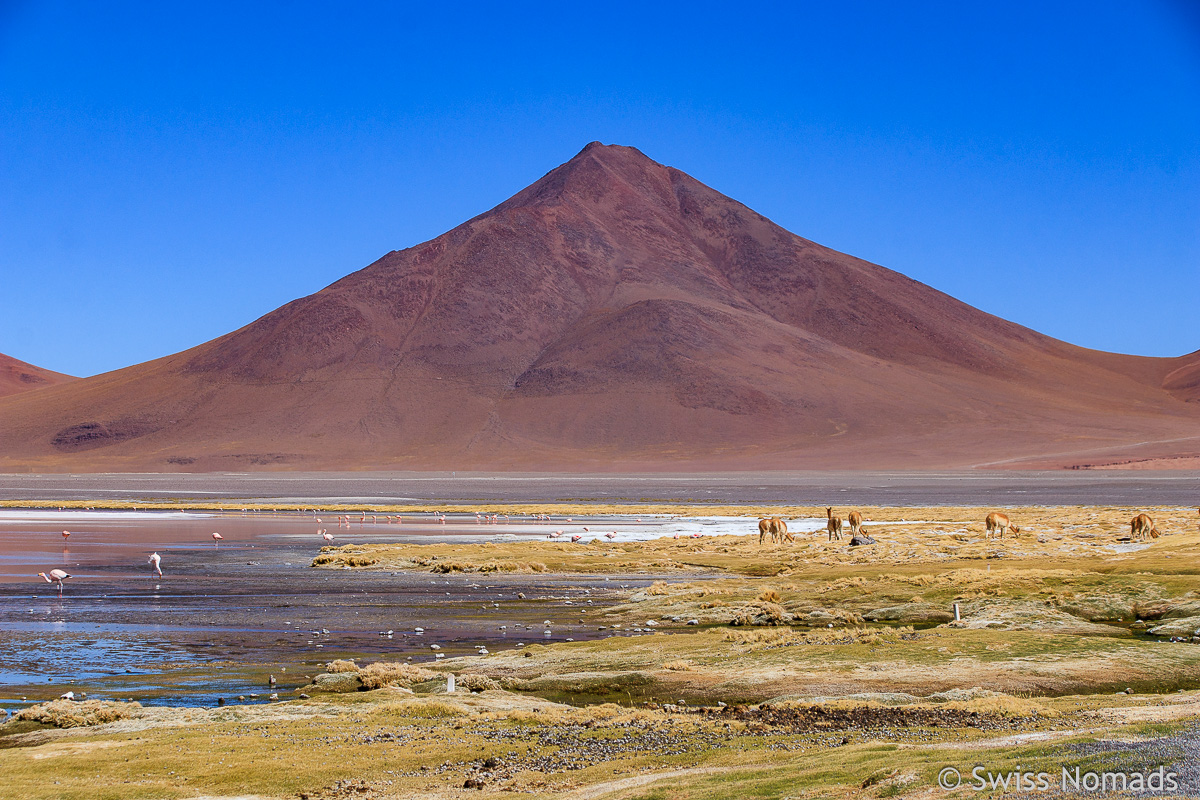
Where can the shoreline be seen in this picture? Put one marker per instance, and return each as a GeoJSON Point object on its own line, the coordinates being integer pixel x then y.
{"type": "Point", "coordinates": [469, 490]}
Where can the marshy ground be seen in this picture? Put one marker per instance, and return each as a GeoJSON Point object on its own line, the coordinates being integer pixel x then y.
{"type": "Point", "coordinates": [808, 669]}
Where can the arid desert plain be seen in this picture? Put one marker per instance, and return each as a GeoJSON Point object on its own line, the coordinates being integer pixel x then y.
{"type": "Point", "coordinates": [609, 636]}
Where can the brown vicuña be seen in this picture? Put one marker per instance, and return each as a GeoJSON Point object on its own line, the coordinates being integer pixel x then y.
{"type": "Point", "coordinates": [998, 522]}
{"type": "Point", "coordinates": [833, 524]}
{"type": "Point", "coordinates": [1142, 526]}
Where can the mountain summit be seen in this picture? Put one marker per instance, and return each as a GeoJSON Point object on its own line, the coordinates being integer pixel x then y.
{"type": "Point", "coordinates": [616, 314]}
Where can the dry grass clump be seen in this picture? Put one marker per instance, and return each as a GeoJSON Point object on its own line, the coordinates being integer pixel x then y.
{"type": "Point", "coordinates": [683, 665]}
{"type": "Point", "coordinates": [475, 683]}
{"type": "Point", "coordinates": [70, 714]}
{"type": "Point", "coordinates": [343, 560]}
{"type": "Point", "coordinates": [445, 567]}
{"type": "Point", "coordinates": [762, 613]}
{"type": "Point", "coordinates": [786, 637]}
{"type": "Point", "coordinates": [426, 708]}
{"type": "Point", "coordinates": [769, 596]}
{"type": "Point", "coordinates": [589, 716]}
{"type": "Point", "coordinates": [658, 588]}
{"type": "Point", "coordinates": [773, 612]}
{"type": "Point", "coordinates": [382, 673]}
{"type": "Point", "coordinates": [1003, 705]}
{"type": "Point", "coordinates": [342, 665]}
{"type": "Point", "coordinates": [856, 582]}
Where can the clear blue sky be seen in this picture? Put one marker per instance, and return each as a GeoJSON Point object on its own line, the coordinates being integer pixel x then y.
{"type": "Point", "coordinates": [169, 172]}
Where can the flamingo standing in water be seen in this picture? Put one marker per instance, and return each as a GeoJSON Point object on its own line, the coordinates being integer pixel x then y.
{"type": "Point", "coordinates": [66, 535]}
{"type": "Point", "coordinates": [612, 535]}
{"type": "Point", "coordinates": [217, 540]}
{"type": "Point", "coordinates": [55, 575]}
{"type": "Point", "coordinates": [156, 559]}
{"type": "Point", "coordinates": [326, 535]}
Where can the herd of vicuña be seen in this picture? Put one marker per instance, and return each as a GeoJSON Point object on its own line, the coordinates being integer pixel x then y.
{"type": "Point", "coordinates": [996, 523]}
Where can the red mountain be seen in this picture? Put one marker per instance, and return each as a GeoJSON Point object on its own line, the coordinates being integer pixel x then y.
{"type": "Point", "coordinates": [617, 314]}
{"type": "Point", "coordinates": [17, 376]}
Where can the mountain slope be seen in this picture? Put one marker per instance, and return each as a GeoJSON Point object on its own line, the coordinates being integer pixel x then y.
{"type": "Point", "coordinates": [615, 314]}
{"type": "Point", "coordinates": [17, 376]}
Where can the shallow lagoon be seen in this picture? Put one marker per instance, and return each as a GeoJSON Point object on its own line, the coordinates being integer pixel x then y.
{"type": "Point", "coordinates": [221, 618]}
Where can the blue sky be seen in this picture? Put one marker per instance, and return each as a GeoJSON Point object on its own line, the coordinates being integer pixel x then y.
{"type": "Point", "coordinates": [170, 172]}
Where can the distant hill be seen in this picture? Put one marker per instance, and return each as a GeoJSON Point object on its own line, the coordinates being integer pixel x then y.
{"type": "Point", "coordinates": [17, 376]}
{"type": "Point", "coordinates": [615, 315]}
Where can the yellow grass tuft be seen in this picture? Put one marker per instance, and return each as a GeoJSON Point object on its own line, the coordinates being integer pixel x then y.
{"type": "Point", "coordinates": [342, 665]}
{"type": "Point", "coordinates": [475, 683]}
{"type": "Point", "coordinates": [782, 636]}
{"type": "Point", "coordinates": [769, 595]}
{"type": "Point", "coordinates": [446, 567]}
{"type": "Point", "coordinates": [70, 714]}
{"type": "Point", "coordinates": [1004, 705]}
{"type": "Point", "coordinates": [382, 673]}
{"type": "Point", "coordinates": [425, 707]}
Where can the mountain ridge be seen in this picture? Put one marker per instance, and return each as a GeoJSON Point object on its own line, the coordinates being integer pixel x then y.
{"type": "Point", "coordinates": [17, 376]}
{"type": "Point", "coordinates": [615, 311]}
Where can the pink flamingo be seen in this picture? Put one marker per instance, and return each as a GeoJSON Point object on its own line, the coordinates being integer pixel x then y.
{"type": "Point", "coordinates": [217, 540]}
{"type": "Point", "coordinates": [612, 535]}
{"type": "Point", "coordinates": [55, 575]}
{"type": "Point", "coordinates": [554, 534]}
{"type": "Point", "coordinates": [156, 559]}
{"type": "Point", "coordinates": [577, 537]}
{"type": "Point", "coordinates": [326, 535]}
{"type": "Point", "coordinates": [66, 535]}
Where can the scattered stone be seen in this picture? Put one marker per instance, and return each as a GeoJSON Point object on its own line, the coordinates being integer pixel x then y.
{"type": "Point", "coordinates": [1180, 626]}
{"type": "Point", "coordinates": [911, 613]}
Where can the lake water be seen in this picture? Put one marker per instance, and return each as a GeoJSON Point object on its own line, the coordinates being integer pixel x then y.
{"type": "Point", "coordinates": [221, 618]}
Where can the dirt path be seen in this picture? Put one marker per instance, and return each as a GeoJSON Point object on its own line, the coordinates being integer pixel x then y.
{"type": "Point", "coordinates": [600, 790]}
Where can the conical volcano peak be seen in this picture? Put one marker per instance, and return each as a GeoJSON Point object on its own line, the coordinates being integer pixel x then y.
{"type": "Point", "coordinates": [616, 311]}
{"type": "Point", "coordinates": [613, 151]}
{"type": "Point", "coordinates": [597, 171]}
